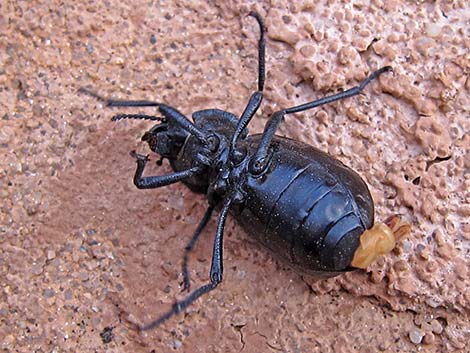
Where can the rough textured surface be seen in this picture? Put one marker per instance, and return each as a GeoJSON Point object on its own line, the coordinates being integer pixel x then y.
{"type": "Point", "coordinates": [82, 250]}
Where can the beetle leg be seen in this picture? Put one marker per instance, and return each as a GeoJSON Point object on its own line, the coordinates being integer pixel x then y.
{"type": "Point", "coordinates": [257, 97]}
{"type": "Point", "coordinates": [160, 180]}
{"type": "Point", "coordinates": [191, 244]}
{"type": "Point", "coordinates": [173, 115]}
{"type": "Point", "coordinates": [179, 306]}
{"type": "Point", "coordinates": [259, 162]}
{"type": "Point", "coordinates": [261, 50]}
{"type": "Point", "coordinates": [248, 113]}
{"type": "Point", "coordinates": [336, 97]}
{"type": "Point", "coordinates": [217, 267]}
{"type": "Point", "coordinates": [213, 113]}
{"type": "Point", "coordinates": [215, 274]}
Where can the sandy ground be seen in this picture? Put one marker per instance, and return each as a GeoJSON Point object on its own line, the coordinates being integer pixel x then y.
{"type": "Point", "coordinates": [83, 251]}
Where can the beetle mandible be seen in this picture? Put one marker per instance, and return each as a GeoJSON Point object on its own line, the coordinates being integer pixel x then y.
{"type": "Point", "coordinates": [304, 205]}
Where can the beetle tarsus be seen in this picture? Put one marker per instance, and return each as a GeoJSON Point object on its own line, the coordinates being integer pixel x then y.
{"type": "Point", "coordinates": [179, 306]}
{"type": "Point", "coordinates": [139, 157]}
{"type": "Point", "coordinates": [261, 50]}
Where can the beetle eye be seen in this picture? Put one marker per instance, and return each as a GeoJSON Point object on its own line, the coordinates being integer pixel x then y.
{"type": "Point", "coordinates": [145, 137]}
{"type": "Point", "coordinates": [152, 133]}
{"type": "Point", "coordinates": [151, 139]}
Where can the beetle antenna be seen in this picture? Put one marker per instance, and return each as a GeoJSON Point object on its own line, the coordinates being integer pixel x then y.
{"type": "Point", "coordinates": [136, 116]}
{"type": "Point", "coordinates": [170, 113]}
{"type": "Point", "coordinates": [118, 102]}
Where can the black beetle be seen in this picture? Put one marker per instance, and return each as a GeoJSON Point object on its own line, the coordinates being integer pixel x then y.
{"type": "Point", "coordinates": [306, 206]}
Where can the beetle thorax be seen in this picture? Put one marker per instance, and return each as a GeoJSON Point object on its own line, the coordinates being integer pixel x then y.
{"type": "Point", "coordinates": [229, 178]}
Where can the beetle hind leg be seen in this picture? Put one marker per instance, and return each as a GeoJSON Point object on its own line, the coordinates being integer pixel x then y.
{"type": "Point", "coordinates": [179, 306]}
{"type": "Point", "coordinates": [190, 246]}
{"type": "Point", "coordinates": [215, 274]}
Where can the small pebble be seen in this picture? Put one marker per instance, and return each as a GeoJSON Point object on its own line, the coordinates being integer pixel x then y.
{"type": "Point", "coordinates": [429, 338]}
{"type": "Point", "coordinates": [407, 246]}
{"type": "Point", "coordinates": [48, 293]}
{"type": "Point", "coordinates": [68, 294]}
{"type": "Point", "coordinates": [432, 29]}
{"type": "Point", "coordinates": [36, 269]}
{"type": "Point", "coordinates": [436, 327]}
{"type": "Point", "coordinates": [50, 254]}
{"type": "Point", "coordinates": [107, 334]}
{"type": "Point", "coordinates": [416, 335]}
{"type": "Point", "coordinates": [177, 344]}
{"type": "Point", "coordinates": [433, 302]}
{"type": "Point", "coordinates": [83, 276]}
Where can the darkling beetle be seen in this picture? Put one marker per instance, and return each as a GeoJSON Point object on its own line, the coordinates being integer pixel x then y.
{"type": "Point", "coordinates": [306, 206]}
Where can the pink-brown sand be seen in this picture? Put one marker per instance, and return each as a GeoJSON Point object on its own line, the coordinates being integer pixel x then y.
{"type": "Point", "coordinates": [83, 251]}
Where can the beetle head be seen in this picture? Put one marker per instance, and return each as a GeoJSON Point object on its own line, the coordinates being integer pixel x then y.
{"type": "Point", "coordinates": [165, 140]}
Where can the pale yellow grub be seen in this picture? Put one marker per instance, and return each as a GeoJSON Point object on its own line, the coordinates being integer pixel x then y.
{"type": "Point", "coordinates": [378, 240]}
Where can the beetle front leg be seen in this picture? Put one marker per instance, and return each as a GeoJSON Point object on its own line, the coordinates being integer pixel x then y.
{"type": "Point", "coordinates": [154, 182]}
{"type": "Point", "coordinates": [256, 97]}
{"type": "Point", "coordinates": [259, 162]}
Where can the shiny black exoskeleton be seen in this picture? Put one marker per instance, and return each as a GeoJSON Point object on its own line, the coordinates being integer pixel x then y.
{"type": "Point", "coordinates": [304, 205]}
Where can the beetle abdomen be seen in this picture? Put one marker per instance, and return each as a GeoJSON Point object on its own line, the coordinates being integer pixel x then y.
{"type": "Point", "coordinates": [307, 208]}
